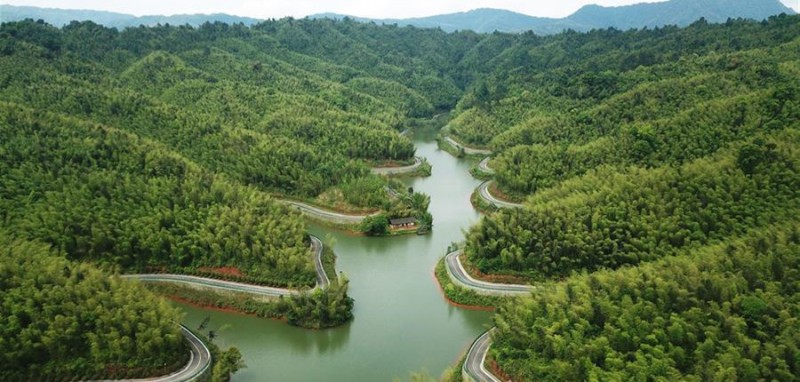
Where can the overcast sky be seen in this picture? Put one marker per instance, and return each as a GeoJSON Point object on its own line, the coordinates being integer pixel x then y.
{"type": "Point", "coordinates": [302, 8]}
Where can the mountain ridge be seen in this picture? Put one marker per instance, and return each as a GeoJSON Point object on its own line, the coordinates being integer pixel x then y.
{"type": "Point", "coordinates": [592, 16]}
{"type": "Point", "coordinates": [60, 17]}
{"type": "Point", "coordinates": [481, 20]}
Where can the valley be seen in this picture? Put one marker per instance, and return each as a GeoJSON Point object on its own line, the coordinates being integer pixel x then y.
{"type": "Point", "coordinates": [337, 200]}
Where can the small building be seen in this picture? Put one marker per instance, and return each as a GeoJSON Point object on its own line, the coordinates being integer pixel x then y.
{"type": "Point", "coordinates": [400, 223]}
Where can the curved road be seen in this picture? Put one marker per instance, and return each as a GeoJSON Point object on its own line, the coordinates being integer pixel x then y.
{"type": "Point", "coordinates": [322, 278]}
{"type": "Point", "coordinates": [210, 283]}
{"type": "Point", "coordinates": [484, 166]}
{"type": "Point", "coordinates": [473, 368]}
{"type": "Point", "coordinates": [467, 150]}
{"type": "Point", "coordinates": [258, 290]}
{"type": "Point", "coordinates": [483, 191]}
{"type": "Point", "coordinates": [459, 276]}
{"type": "Point", "coordinates": [326, 215]}
{"type": "Point", "coordinates": [398, 170]}
{"type": "Point", "coordinates": [199, 362]}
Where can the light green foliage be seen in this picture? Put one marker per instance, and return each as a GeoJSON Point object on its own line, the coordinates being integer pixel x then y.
{"type": "Point", "coordinates": [579, 101]}
{"type": "Point", "coordinates": [65, 320]}
{"type": "Point", "coordinates": [610, 218]}
{"type": "Point", "coordinates": [107, 196]}
{"type": "Point", "coordinates": [375, 225]}
{"type": "Point", "coordinates": [226, 364]}
{"type": "Point", "coordinates": [321, 308]}
{"type": "Point", "coordinates": [661, 183]}
{"type": "Point", "coordinates": [720, 312]}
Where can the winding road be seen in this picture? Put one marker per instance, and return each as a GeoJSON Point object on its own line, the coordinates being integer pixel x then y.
{"type": "Point", "coordinates": [398, 170]}
{"type": "Point", "coordinates": [483, 191]}
{"type": "Point", "coordinates": [326, 215]}
{"type": "Point", "coordinates": [484, 166]}
{"type": "Point", "coordinates": [322, 278]}
{"type": "Point", "coordinates": [232, 286]}
{"type": "Point", "coordinates": [459, 276]}
{"type": "Point", "coordinates": [199, 362]}
{"type": "Point", "coordinates": [467, 150]}
{"type": "Point", "coordinates": [474, 365]}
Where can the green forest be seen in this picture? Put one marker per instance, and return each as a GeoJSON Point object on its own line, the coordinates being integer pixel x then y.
{"type": "Point", "coordinates": [66, 320]}
{"type": "Point", "coordinates": [660, 174]}
{"type": "Point", "coordinates": [658, 168]}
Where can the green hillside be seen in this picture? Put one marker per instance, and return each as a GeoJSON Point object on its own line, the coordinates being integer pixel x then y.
{"type": "Point", "coordinates": [64, 320]}
{"type": "Point", "coordinates": [658, 168]}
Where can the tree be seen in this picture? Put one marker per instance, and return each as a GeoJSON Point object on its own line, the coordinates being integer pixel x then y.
{"type": "Point", "coordinates": [375, 225]}
{"type": "Point", "coordinates": [228, 363]}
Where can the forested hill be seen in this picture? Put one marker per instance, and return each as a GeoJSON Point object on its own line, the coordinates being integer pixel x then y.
{"type": "Point", "coordinates": [164, 148]}
{"type": "Point", "coordinates": [300, 109]}
{"type": "Point", "coordinates": [660, 175]}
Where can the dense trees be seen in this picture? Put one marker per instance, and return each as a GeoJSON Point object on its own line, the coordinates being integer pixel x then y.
{"type": "Point", "coordinates": [63, 320]}
{"type": "Point", "coordinates": [321, 308]}
{"type": "Point", "coordinates": [660, 169]}
{"type": "Point", "coordinates": [100, 194]}
{"type": "Point", "coordinates": [661, 174]}
{"type": "Point", "coordinates": [575, 102]}
{"type": "Point", "coordinates": [215, 96]}
{"type": "Point", "coordinates": [610, 218]}
{"type": "Point", "coordinates": [725, 311]}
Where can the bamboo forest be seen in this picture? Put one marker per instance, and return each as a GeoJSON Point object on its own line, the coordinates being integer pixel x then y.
{"type": "Point", "coordinates": [638, 220]}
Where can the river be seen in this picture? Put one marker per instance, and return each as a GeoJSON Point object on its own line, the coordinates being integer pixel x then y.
{"type": "Point", "coordinates": [402, 323]}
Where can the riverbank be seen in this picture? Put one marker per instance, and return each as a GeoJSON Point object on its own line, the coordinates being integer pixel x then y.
{"type": "Point", "coordinates": [399, 306]}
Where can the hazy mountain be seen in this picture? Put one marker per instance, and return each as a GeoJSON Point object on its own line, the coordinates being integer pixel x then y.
{"type": "Point", "coordinates": [60, 17]}
{"type": "Point", "coordinates": [673, 12]}
{"type": "Point", "coordinates": [484, 20]}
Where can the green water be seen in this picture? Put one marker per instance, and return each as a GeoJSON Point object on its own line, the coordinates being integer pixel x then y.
{"type": "Point", "coordinates": [402, 323]}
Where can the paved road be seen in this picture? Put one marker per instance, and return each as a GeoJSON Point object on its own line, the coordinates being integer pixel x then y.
{"type": "Point", "coordinates": [467, 150]}
{"type": "Point", "coordinates": [329, 216]}
{"type": "Point", "coordinates": [459, 275]}
{"type": "Point", "coordinates": [322, 278]}
{"type": "Point", "coordinates": [484, 166]}
{"type": "Point", "coordinates": [398, 170]}
{"type": "Point", "coordinates": [210, 283]}
{"type": "Point", "coordinates": [473, 368]}
{"type": "Point", "coordinates": [199, 362]}
{"type": "Point", "coordinates": [258, 290]}
{"type": "Point", "coordinates": [483, 191]}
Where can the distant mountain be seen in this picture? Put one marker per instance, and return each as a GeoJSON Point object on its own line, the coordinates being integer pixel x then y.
{"type": "Point", "coordinates": [673, 12]}
{"type": "Point", "coordinates": [60, 17]}
{"type": "Point", "coordinates": [483, 20]}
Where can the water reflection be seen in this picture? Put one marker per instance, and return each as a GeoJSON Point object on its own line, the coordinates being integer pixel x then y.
{"type": "Point", "coordinates": [402, 323]}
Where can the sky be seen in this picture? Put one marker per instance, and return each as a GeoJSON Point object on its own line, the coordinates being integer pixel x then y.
{"type": "Point", "coordinates": [300, 8]}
